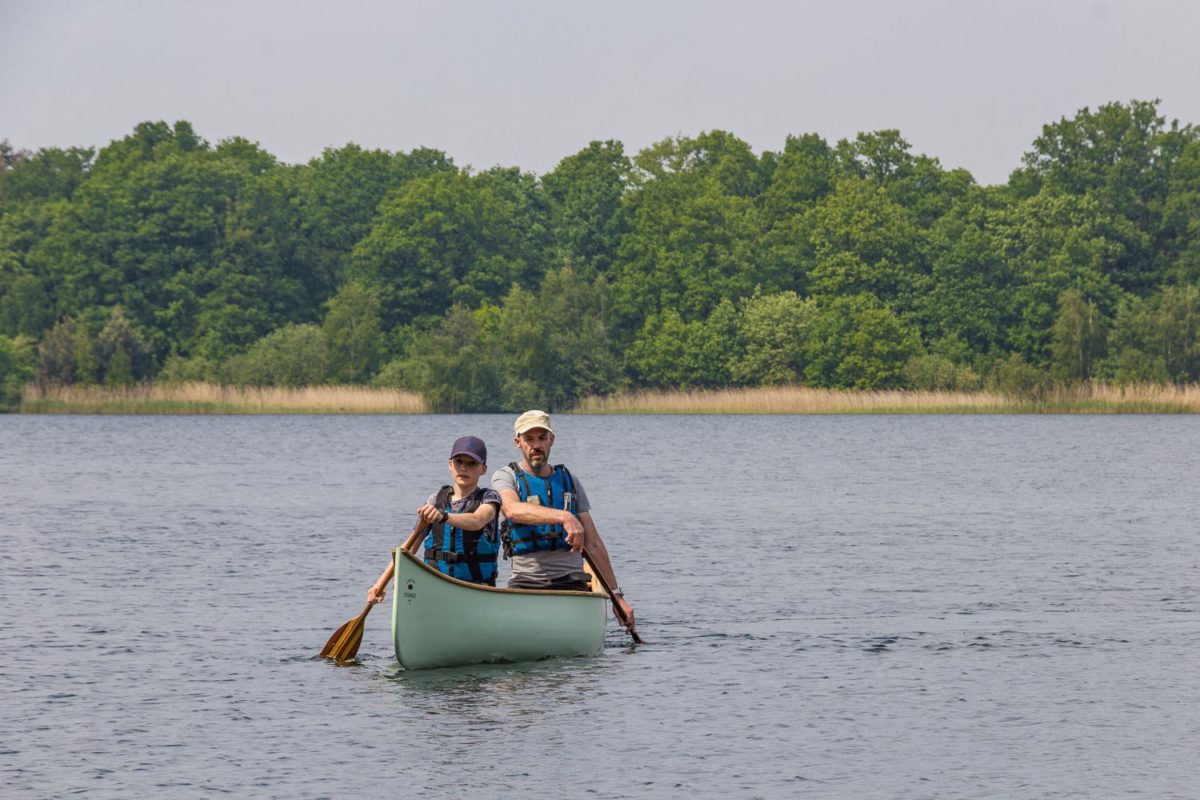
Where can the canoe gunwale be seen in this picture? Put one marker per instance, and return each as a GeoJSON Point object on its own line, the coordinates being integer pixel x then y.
{"type": "Point", "coordinates": [483, 588]}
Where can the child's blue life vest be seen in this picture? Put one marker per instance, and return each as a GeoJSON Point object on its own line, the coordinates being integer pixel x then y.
{"type": "Point", "coordinates": [557, 490]}
{"type": "Point", "coordinates": [466, 555]}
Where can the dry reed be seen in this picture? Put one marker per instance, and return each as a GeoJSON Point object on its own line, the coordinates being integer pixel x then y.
{"type": "Point", "coordinates": [1085, 399]}
{"type": "Point", "coordinates": [208, 398]}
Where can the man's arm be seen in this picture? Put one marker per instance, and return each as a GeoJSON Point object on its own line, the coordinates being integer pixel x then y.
{"type": "Point", "coordinates": [599, 557]}
{"type": "Point", "coordinates": [532, 514]}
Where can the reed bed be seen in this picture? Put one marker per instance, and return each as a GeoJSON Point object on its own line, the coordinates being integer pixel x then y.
{"type": "Point", "coordinates": [1084, 399]}
{"type": "Point", "coordinates": [209, 398]}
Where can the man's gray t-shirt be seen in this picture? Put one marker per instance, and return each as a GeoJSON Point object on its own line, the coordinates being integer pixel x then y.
{"type": "Point", "coordinates": [544, 565]}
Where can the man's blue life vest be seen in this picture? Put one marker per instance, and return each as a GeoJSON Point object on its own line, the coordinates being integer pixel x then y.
{"type": "Point", "coordinates": [554, 491]}
{"type": "Point", "coordinates": [466, 555]}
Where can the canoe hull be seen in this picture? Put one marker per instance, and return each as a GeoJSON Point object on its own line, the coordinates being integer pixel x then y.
{"type": "Point", "coordinates": [441, 622]}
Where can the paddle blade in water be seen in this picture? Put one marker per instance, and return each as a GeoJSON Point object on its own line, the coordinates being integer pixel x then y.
{"type": "Point", "coordinates": [333, 640]}
{"type": "Point", "coordinates": [343, 645]}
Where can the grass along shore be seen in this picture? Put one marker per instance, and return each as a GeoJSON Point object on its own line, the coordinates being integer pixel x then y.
{"type": "Point", "coordinates": [1083, 399]}
{"type": "Point", "coordinates": [207, 398]}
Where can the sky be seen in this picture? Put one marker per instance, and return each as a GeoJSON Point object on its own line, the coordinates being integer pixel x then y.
{"type": "Point", "coordinates": [526, 84]}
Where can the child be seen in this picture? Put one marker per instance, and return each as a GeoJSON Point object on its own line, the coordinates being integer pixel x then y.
{"type": "Point", "coordinates": [463, 540]}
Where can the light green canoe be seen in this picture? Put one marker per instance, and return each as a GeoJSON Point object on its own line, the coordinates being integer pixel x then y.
{"type": "Point", "coordinates": [438, 621]}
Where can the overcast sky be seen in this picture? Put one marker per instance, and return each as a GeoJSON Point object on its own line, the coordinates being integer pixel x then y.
{"type": "Point", "coordinates": [528, 83]}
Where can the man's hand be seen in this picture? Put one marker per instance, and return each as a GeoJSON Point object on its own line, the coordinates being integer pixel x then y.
{"type": "Point", "coordinates": [575, 533]}
{"type": "Point", "coordinates": [376, 594]}
{"type": "Point", "coordinates": [628, 612]}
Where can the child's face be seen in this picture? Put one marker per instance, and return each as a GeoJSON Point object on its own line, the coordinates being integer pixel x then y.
{"type": "Point", "coordinates": [466, 471]}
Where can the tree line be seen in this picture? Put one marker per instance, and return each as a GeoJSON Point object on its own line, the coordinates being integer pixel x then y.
{"type": "Point", "coordinates": [693, 263]}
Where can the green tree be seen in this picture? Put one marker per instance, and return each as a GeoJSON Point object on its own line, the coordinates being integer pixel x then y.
{"type": "Point", "coordinates": [866, 243]}
{"type": "Point", "coordinates": [120, 351]}
{"type": "Point", "coordinates": [56, 354]}
{"type": "Point", "coordinates": [352, 330]}
{"type": "Point", "coordinates": [1121, 157]}
{"type": "Point", "coordinates": [693, 231]}
{"type": "Point", "coordinates": [972, 276]}
{"type": "Point", "coordinates": [554, 346]}
{"type": "Point", "coordinates": [774, 331]}
{"type": "Point", "coordinates": [17, 360]}
{"type": "Point", "coordinates": [587, 216]}
{"type": "Point", "coordinates": [195, 245]}
{"type": "Point", "coordinates": [1180, 242]}
{"type": "Point", "coordinates": [527, 218]}
{"type": "Point", "coordinates": [1079, 334]}
{"type": "Point", "coordinates": [937, 373]}
{"type": "Point", "coordinates": [1017, 378]}
{"type": "Point", "coordinates": [670, 353]}
{"type": "Point", "coordinates": [1156, 338]}
{"type": "Point", "coordinates": [442, 239]}
{"type": "Point", "coordinates": [804, 174]}
{"type": "Point", "coordinates": [26, 307]}
{"type": "Point", "coordinates": [338, 198]}
{"type": "Point", "coordinates": [453, 366]}
{"type": "Point", "coordinates": [856, 342]}
{"type": "Point", "coordinates": [294, 355]}
{"type": "Point", "coordinates": [1056, 242]}
{"type": "Point", "coordinates": [87, 361]}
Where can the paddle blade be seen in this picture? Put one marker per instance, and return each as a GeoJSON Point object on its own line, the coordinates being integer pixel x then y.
{"type": "Point", "coordinates": [348, 649]}
{"type": "Point", "coordinates": [343, 645]}
{"type": "Point", "coordinates": [333, 640]}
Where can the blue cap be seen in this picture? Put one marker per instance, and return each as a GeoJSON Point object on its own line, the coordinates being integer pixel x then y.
{"type": "Point", "coordinates": [471, 446]}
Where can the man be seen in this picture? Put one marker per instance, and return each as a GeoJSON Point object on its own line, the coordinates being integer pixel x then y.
{"type": "Point", "coordinates": [550, 519]}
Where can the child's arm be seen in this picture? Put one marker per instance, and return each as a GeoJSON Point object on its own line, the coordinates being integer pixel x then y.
{"type": "Point", "coordinates": [477, 520]}
{"type": "Point", "coordinates": [377, 592]}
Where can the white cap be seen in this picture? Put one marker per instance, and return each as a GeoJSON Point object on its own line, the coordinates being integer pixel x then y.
{"type": "Point", "coordinates": [532, 419]}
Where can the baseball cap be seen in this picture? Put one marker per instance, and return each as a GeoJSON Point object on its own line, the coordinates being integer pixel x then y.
{"type": "Point", "coordinates": [532, 419]}
{"type": "Point", "coordinates": [471, 446]}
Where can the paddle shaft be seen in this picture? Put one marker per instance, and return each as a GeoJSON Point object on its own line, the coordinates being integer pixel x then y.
{"type": "Point", "coordinates": [608, 590]}
{"type": "Point", "coordinates": [343, 645]}
{"type": "Point", "coordinates": [410, 544]}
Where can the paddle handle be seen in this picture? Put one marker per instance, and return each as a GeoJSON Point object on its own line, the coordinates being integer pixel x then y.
{"type": "Point", "coordinates": [620, 613]}
{"type": "Point", "coordinates": [410, 543]}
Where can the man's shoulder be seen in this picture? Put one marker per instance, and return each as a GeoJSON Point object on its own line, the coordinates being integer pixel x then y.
{"type": "Point", "coordinates": [504, 478]}
{"type": "Point", "coordinates": [567, 470]}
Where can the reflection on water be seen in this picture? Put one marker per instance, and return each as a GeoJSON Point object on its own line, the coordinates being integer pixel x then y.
{"type": "Point", "coordinates": [835, 607]}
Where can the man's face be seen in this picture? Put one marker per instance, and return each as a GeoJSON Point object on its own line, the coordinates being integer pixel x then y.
{"type": "Point", "coordinates": [535, 445]}
{"type": "Point", "coordinates": [466, 471]}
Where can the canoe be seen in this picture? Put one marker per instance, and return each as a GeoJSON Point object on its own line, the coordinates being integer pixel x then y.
{"type": "Point", "coordinates": [439, 621]}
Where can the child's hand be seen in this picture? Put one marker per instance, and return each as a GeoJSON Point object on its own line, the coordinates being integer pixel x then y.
{"type": "Point", "coordinates": [376, 594]}
{"type": "Point", "coordinates": [430, 513]}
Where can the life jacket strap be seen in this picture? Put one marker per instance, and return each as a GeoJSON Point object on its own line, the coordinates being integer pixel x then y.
{"type": "Point", "coordinates": [470, 539]}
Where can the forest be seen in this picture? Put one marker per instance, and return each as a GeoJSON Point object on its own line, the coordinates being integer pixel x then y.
{"type": "Point", "coordinates": [694, 263]}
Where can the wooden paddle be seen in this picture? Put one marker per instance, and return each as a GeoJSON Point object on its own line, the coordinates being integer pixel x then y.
{"type": "Point", "coordinates": [343, 645]}
{"type": "Point", "coordinates": [608, 590]}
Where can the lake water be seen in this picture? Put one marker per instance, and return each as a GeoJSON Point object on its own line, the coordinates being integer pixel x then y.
{"type": "Point", "coordinates": [835, 607]}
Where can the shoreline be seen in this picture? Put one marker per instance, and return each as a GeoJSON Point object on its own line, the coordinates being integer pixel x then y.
{"type": "Point", "coordinates": [212, 399]}
{"type": "Point", "coordinates": [1083, 399]}
{"type": "Point", "coordinates": [208, 398]}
